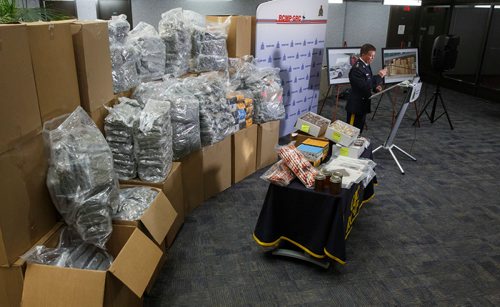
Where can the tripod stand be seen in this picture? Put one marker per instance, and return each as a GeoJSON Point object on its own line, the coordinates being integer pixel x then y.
{"type": "Point", "coordinates": [434, 98]}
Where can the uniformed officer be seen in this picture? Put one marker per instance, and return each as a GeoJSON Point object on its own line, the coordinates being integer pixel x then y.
{"type": "Point", "coordinates": [362, 83]}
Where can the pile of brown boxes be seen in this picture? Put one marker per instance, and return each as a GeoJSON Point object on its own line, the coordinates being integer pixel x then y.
{"type": "Point", "coordinates": [48, 69]}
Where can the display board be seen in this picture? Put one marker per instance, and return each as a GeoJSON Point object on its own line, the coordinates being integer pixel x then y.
{"type": "Point", "coordinates": [401, 64]}
{"type": "Point", "coordinates": [340, 61]}
{"type": "Point", "coordinates": [290, 35]}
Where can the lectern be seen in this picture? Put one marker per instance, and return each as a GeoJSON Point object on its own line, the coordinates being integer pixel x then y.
{"type": "Point", "coordinates": [413, 87]}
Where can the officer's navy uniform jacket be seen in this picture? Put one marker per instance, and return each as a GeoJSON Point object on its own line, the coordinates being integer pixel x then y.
{"type": "Point", "coordinates": [362, 83]}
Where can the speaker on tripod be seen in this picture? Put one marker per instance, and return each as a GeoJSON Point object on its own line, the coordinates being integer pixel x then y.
{"type": "Point", "coordinates": [443, 58]}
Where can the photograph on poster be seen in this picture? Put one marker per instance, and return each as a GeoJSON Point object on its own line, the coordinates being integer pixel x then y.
{"type": "Point", "coordinates": [401, 64]}
{"type": "Point", "coordinates": [340, 61]}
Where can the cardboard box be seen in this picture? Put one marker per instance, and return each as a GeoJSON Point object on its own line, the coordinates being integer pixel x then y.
{"type": "Point", "coordinates": [339, 136]}
{"type": "Point", "coordinates": [20, 115]}
{"type": "Point", "coordinates": [312, 123]}
{"type": "Point", "coordinates": [53, 59]}
{"type": "Point", "coordinates": [239, 38]}
{"type": "Point", "coordinates": [312, 154]}
{"type": "Point", "coordinates": [312, 141]}
{"type": "Point", "coordinates": [12, 278]}
{"type": "Point", "coordinates": [192, 181]}
{"type": "Point", "coordinates": [156, 220]}
{"type": "Point", "coordinates": [243, 153]}
{"type": "Point", "coordinates": [352, 151]}
{"type": "Point", "coordinates": [217, 168]}
{"type": "Point", "coordinates": [26, 210]}
{"type": "Point", "coordinates": [267, 139]}
{"type": "Point", "coordinates": [93, 63]}
{"type": "Point", "coordinates": [172, 188]}
{"type": "Point", "coordinates": [135, 259]}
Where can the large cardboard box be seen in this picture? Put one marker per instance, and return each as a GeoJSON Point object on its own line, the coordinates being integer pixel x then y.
{"type": "Point", "coordinates": [217, 167]}
{"type": "Point", "coordinates": [135, 259]}
{"type": "Point", "coordinates": [267, 139]}
{"type": "Point", "coordinates": [172, 188]}
{"type": "Point", "coordinates": [93, 63]}
{"type": "Point", "coordinates": [157, 219]}
{"type": "Point", "coordinates": [53, 59]}
{"type": "Point", "coordinates": [239, 38]}
{"type": "Point", "coordinates": [12, 278]}
{"type": "Point", "coordinates": [20, 115]}
{"type": "Point", "coordinates": [244, 153]}
{"type": "Point", "coordinates": [192, 181]}
{"type": "Point", "coordinates": [26, 210]}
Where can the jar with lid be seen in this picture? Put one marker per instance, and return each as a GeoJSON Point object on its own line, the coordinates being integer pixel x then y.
{"type": "Point", "coordinates": [327, 177]}
{"type": "Point", "coordinates": [338, 174]}
{"type": "Point", "coordinates": [319, 182]}
{"type": "Point", "coordinates": [335, 185]}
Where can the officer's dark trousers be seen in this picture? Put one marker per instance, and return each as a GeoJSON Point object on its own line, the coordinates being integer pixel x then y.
{"type": "Point", "coordinates": [357, 120]}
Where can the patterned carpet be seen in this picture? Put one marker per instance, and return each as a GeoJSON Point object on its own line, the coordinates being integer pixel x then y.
{"type": "Point", "coordinates": [430, 237]}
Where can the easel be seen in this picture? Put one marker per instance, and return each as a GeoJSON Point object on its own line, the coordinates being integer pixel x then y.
{"type": "Point", "coordinates": [410, 97]}
{"type": "Point", "coordinates": [393, 103]}
{"type": "Point", "coordinates": [330, 87]}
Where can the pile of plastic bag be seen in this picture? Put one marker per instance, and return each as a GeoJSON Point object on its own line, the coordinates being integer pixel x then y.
{"type": "Point", "coordinates": [152, 52]}
{"type": "Point", "coordinates": [175, 31]}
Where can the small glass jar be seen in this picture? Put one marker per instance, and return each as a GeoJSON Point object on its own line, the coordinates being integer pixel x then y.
{"type": "Point", "coordinates": [327, 177]}
{"type": "Point", "coordinates": [338, 174]}
{"type": "Point", "coordinates": [335, 185]}
{"type": "Point", "coordinates": [319, 182]}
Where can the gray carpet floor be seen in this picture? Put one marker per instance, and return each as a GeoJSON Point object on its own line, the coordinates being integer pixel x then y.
{"type": "Point", "coordinates": [429, 237]}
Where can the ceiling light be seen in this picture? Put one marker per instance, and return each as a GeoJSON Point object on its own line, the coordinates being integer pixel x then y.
{"type": "Point", "coordinates": [403, 2]}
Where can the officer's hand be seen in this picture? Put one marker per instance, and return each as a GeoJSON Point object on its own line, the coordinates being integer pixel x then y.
{"type": "Point", "coordinates": [378, 88]}
{"type": "Point", "coordinates": [382, 73]}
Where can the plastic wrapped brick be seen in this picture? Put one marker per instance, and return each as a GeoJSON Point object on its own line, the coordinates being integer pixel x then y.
{"type": "Point", "coordinates": [80, 177]}
{"type": "Point", "coordinates": [134, 201]}
{"type": "Point", "coordinates": [176, 35]}
{"type": "Point", "coordinates": [279, 174]}
{"type": "Point", "coordinates": [119, 128]}
{"type": "Point", "coordinates": [153, 144]}
{"type": "Point", "coordinates": [152, 51]}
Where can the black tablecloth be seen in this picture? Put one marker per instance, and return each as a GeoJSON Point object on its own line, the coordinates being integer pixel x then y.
{"type": "Point", "coordinates": [318, 223]}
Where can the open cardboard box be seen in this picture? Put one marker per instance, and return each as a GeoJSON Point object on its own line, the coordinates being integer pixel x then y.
{"type": "Point", "coordinates": [173, 189]}
{"type": "Point", "coordinates": [135, 259]}
{"type": "Point", "coordinates": [157, 219]}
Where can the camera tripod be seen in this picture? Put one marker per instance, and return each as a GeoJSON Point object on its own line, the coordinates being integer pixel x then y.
{"type": "Point", "coordinates": [434, 98]}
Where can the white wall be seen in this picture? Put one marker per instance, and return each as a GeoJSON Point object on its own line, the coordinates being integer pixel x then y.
{"type": "Point", "coordinates": [367, 23]}
{"type": "Point", "coordinates": [150, 11]}
{"type": "Point", "coordinates": [86, 9]}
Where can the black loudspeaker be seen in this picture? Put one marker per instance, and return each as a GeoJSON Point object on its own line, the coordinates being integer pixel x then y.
{"type": "Point", "coordinates": [444, 52]}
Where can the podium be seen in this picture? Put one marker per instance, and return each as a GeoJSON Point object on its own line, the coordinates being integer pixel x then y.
{"type": "Point", "coordinates": [411, 96]}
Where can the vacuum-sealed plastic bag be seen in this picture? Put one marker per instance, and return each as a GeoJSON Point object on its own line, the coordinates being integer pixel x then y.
{"type": "Point", "coordinates": [176, 34]}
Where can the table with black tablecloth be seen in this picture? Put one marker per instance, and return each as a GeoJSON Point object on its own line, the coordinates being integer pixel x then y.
{"type": "Point", "coordinates": [316, 222]}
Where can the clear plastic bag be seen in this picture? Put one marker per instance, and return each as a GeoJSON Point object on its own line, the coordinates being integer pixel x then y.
{"type": "Point", "coordinates": [118, 28]}
{"type": "Point", "coordinates": [145, 38]}
{"type": "Point", "coordinates": [210, 47]}
{"type": "Point", "coordinates": [176, 34]}
{"type": "Point", "coordinates": [124, 59]}
{"type": "Point", "coordinates": [119, 127]}
{"type": "Point", "coordinates": [153, 144]}
{"type": "Point", "coordinates": [185, 120]}
{"type": "Point", "coordinates": [80, 178]}
{"type": "Point", "coordinates": [278, 174]}
{"type": "Point", "coordinates": [216, 120]}
{"type": "Point", "coordinates": [298, 164]}
{"type": "Point", "coordinates": [134, 201]}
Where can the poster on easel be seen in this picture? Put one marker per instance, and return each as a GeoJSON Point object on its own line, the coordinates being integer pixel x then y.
{"type": "Point", "coordinates": [290, 35]}
{"type": "Point", "coordinates": [339, 63]}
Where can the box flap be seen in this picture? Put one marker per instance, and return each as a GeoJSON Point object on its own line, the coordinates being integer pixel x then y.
{"type": "Point", "coordinates": [46, 285]}
{"type": "Point", "coordinates": [159, 217]}
{"type": "Point", "coordinates": [136, 262]}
